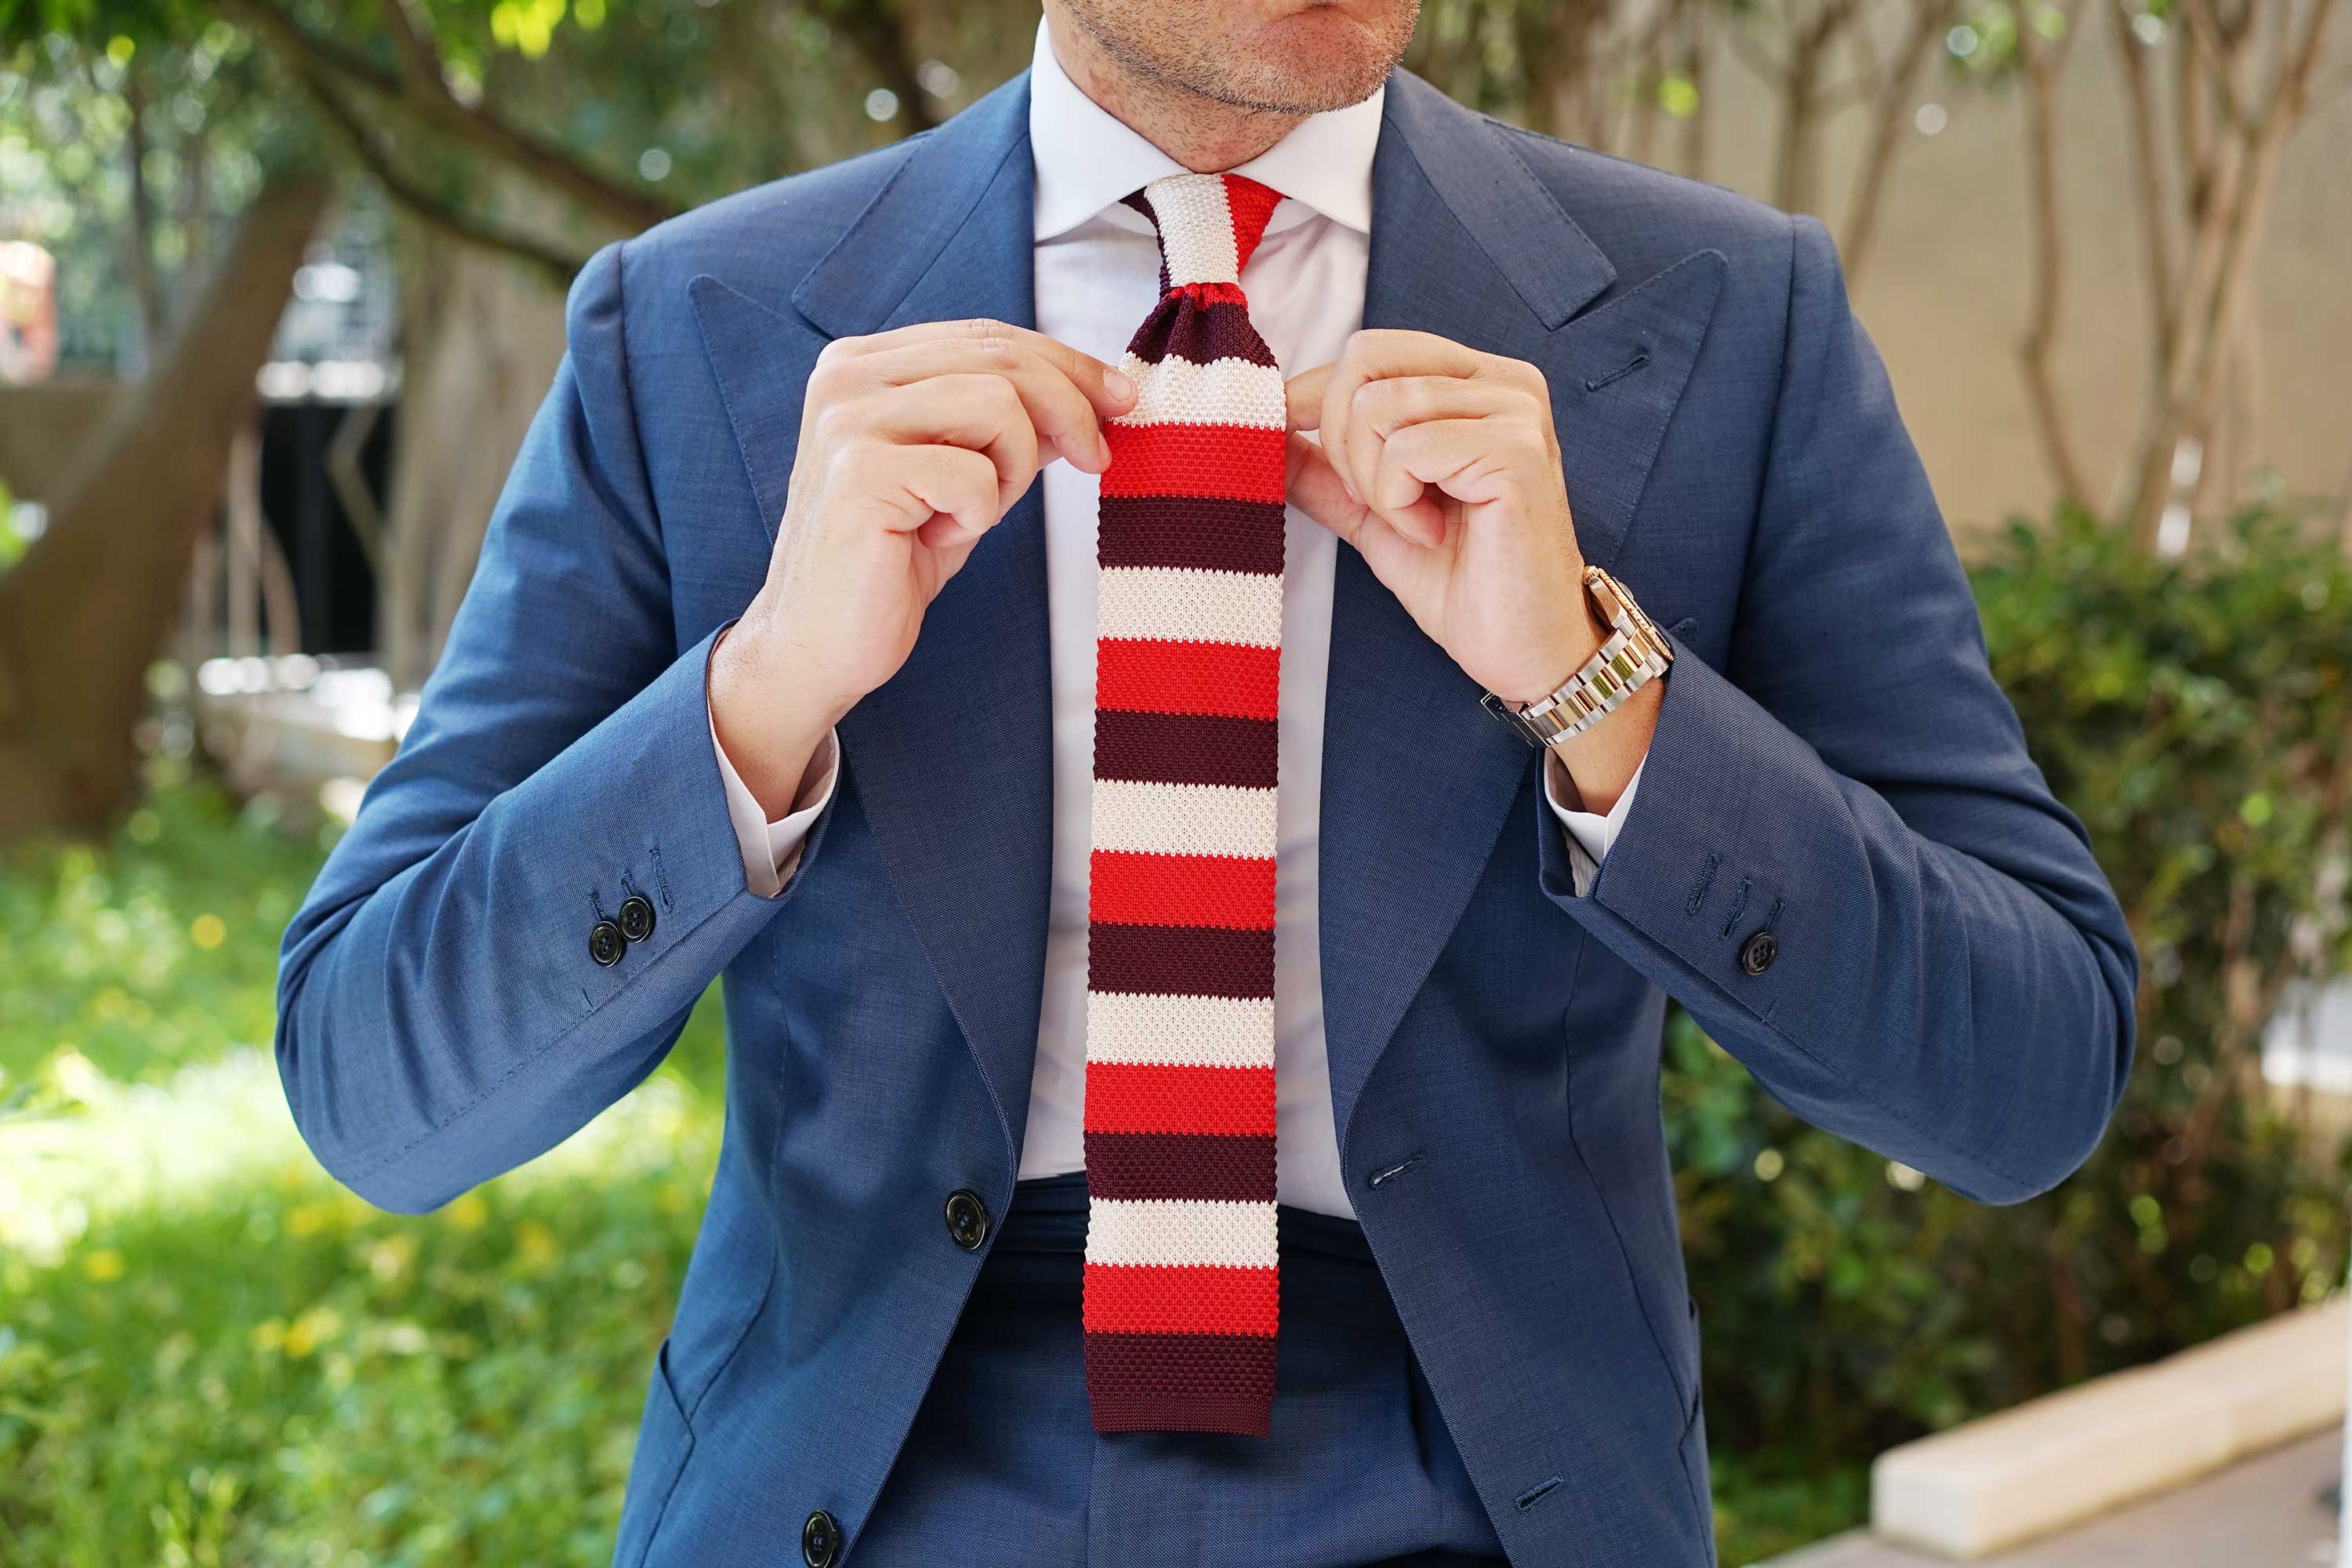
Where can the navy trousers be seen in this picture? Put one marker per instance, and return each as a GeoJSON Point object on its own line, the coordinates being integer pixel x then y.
{"type": "Point", "coordinates": [1003, 1464]}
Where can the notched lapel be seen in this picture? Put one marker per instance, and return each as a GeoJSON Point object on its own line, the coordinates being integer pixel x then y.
{"type": "Point", "coordinates": [1417, 778]}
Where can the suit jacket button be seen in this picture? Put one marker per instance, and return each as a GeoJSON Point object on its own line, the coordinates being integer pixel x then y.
{"type": "Point", "coordinates": [967, 1219]}
{"type": "Point", "coordinates": [820, 1539]}
{"type": "Point", "coordinates": [606, 944]}
{"type": "Point", "coordinates": [636, 918]}
{"type": "Point", "coordinates": [1755, 954]}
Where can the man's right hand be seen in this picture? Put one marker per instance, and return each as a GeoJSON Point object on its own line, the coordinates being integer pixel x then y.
{"type": "Point", "coordinates": [913, 444]}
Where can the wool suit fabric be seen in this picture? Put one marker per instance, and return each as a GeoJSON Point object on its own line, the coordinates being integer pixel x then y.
{"type": "Point", "coordinates": [1831, 760]}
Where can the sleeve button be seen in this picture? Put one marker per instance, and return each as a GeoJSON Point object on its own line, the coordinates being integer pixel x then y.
{"type": "Point", "coordinates": [1755, 954]}
{"type": "Point", "coordinates": [636, 918]}
{"type": "Point", "coordinates": [605, 943]}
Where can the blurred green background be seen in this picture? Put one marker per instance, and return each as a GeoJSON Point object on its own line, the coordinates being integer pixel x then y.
{"type": "Point", "coordinates": [210, 1354]}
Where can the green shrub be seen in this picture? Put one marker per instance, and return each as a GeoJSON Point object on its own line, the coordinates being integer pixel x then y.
{"type": "Point", "coordinates": [2195, 714]}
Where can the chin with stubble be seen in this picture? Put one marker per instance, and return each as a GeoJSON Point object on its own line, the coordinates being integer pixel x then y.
{"type": "Point", "coordinates": [1282, 58]}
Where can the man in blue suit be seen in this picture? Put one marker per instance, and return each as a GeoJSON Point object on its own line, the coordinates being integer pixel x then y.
{"type": "Point", "coordinates": [779, 665]}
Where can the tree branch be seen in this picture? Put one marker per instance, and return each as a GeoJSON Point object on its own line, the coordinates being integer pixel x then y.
{"type": "Point", "coordinates": [428, 89]}
{"type": "Point", "coordinates": [1929, 18]}
{"type": "Point", "coordinates": [425, 90]}
{"type": "Point", "coordinates": [881, 38]}
{"type": "Point", "coordinates": [557, 265]}
{"type": "Point", "coordinates": [2043, 61]}
{"type": "Point", "coordinates": [2140, 107]}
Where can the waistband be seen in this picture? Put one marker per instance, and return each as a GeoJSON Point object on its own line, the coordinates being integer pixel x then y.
{"type": "Point", "coordinates": [1049, 1214]}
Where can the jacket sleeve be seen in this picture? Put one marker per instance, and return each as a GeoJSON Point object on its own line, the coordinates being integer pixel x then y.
{"type": "Point", "coordinates": [1954, 979]}
{"type": "Point", "coordinates": [440, 1018]}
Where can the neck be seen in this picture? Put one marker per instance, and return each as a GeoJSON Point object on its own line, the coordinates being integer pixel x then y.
{"type": "Point", "coordinates": [1204, 134]}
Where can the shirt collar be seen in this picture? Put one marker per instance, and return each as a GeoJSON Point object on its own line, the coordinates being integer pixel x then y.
{"type": "Point", "coordinates": [1087, 158]}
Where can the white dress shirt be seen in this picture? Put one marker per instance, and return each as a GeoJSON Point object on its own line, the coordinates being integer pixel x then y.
{"type": "Point", "coordinates": [1097, 277]}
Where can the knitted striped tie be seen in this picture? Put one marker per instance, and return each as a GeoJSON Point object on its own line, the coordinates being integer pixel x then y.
{"type": "Point", "coordinates": [1181, 1258]}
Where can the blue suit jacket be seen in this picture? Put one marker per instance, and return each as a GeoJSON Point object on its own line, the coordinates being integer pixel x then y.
{"type": "Point", "coordinates": [1833, 761]}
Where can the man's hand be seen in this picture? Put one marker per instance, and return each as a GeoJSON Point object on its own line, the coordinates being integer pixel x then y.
{"type": "Point", "coordinates": [913, 443]}
{"type": "Point", "coordinates": [1440, 465]}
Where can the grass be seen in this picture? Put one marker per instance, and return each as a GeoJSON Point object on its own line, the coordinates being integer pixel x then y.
{"type": "Point", "coordinates": [211, 1356]}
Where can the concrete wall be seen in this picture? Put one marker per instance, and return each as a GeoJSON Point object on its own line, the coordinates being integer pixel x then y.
{"type": "Point", "coordinates": [1944, 293]}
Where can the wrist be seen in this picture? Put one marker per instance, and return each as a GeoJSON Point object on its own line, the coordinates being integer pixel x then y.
{"type": "Point", "coordinates": [770, 715]}
{"type": "Point", "coordinates": [1576, 637]}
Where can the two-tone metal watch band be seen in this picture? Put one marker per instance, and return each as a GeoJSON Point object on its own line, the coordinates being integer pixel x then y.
{"type": "Point", "coordinates": [1633, 654]}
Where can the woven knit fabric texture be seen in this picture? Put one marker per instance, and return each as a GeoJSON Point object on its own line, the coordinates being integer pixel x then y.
{"type": "Point", "coordinates": [1182, 1276]}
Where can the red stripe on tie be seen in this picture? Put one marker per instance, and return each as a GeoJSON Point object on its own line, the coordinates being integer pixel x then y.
{"type": "Point", "coordinates": [1132, 889]}
{"type": "Point", "coordinates": [1242, 461]}
{"type": "Point", "coordinates": [1212, 293]}
{"type": "Point", "coordinates": [1251, 204]}
{"type": "Point", "coordinates": [1141, 675]}
{"type": "Point", "coordinates": [1122, 1298]}
{"type": "Point", "coordinates": [1226, 1102]}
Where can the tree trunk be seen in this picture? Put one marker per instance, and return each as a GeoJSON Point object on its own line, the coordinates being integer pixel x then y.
{"type": "Point", "coordinates": [86, 609]}
{"type": "Point", "coordinates": [482, 337]}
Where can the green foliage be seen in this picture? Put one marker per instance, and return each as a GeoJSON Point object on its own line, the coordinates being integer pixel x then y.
{"type": "Point", "coordinates": [270, 1373]}
{"type": "Point", "coordinates": [68, 105]}
{"type": "Point", "coordinates": [2194, 714]}
{"type": "Point", "coordinates": [156, 949]}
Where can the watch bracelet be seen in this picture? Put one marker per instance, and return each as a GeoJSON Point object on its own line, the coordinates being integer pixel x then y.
{"type": "Point", "coordinates": [1632, 654]}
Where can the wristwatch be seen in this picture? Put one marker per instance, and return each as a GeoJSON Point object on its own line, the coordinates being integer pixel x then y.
{"type": "Point", "coordinates": [1634, 653]}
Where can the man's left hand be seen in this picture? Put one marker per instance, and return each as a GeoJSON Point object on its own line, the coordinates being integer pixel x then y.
{"type": "Point", "coordinates": [1439, 464]}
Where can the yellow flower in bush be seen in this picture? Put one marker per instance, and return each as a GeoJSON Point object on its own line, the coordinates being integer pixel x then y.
{"type": "Point", "coordinates": [307, 1331]}
{"type": "Point", "coordinates": [535, 1245]}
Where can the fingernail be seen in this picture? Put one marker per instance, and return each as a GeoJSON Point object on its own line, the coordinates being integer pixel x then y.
{"type": "Point", "coordinates": [1117, 383]}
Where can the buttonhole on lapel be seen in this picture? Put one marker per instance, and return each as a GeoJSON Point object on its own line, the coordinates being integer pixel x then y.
{"type": "Point", "coordinates": [1380, 1176]}
{"type": "Point", "coordinates": [1706, 880]}
{"type": "Point", "coordinates": [1738, 902]}
{"type": "Point", "coordinates": [1595, 383]}
{"type": "Point", "coordinates": [1538, 1492]}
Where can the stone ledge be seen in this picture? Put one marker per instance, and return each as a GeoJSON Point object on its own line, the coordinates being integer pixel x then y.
{"type": "Point", "coordinates": [2055, 1461]}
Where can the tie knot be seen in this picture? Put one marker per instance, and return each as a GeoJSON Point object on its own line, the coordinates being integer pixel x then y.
{"type": "Point", "coordinates": [1208, 224]}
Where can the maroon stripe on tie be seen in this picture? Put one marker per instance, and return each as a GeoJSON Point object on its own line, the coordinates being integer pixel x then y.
{"type": "Point", "coordinates": [1194, 533]}
{"type": "Point", "coordinates": [1186, 748]}
{"type": "Point", "coordinates": [1179, 961]}
{"type": "Point", "coordinates": [1191, 331]}
{"type": "Point", "coordinates": [1194, 1165]}
{"type": "Point", "coordinates": [1189, 1382]}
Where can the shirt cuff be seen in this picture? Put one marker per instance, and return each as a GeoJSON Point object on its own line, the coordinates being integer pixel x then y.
{"type": "Point", "coordinates": [1590, 833]}
{"type": "Point", "coordinates": [772, 850]}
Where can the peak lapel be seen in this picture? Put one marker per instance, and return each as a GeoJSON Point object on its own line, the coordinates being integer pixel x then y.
{"type": "Point", "coordinates": [1417, 778]}
{"type": "Point", "coordinates": [952, 759]}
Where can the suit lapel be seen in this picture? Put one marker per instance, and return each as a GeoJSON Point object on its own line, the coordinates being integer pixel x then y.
{"type": "Point", "coordinates": [1417, 778]}
{"type": "Point", "coordinates": [952, 759]}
